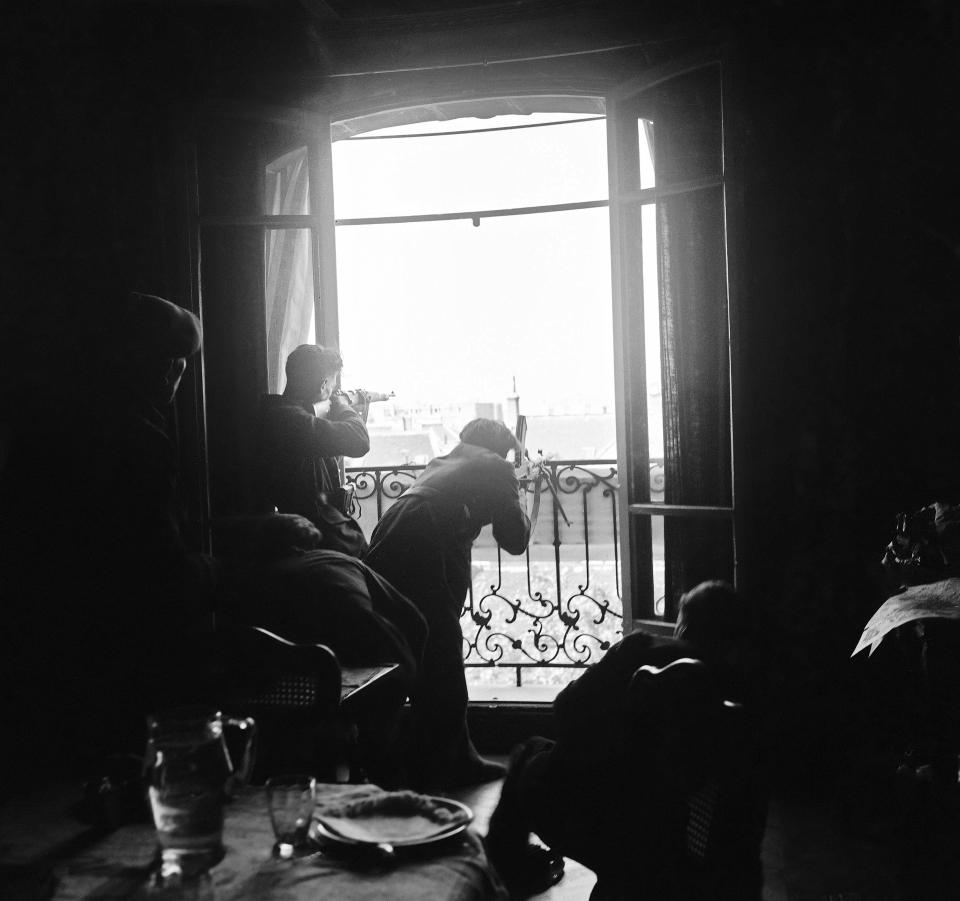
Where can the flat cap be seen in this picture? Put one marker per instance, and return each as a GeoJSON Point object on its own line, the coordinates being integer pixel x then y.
{"type": "Point", "coordinates": [157, 327]}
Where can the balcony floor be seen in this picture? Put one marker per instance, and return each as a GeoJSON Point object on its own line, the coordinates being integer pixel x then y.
{"type": "Point", "coordinates": [513, 694]}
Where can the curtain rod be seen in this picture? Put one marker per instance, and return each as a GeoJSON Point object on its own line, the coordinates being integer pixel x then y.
{"type": "Point", "coordinates": [473, 131]}
{"type": "Point", "coordinates": [499, 62]}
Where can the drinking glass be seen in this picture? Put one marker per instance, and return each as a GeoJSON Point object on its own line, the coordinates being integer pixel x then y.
{"type": "Point", "coordinates": [291, 800]}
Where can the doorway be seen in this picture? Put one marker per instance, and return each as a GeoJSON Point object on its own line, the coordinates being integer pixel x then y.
{"type": "Point", "coordinates": [473, 279]}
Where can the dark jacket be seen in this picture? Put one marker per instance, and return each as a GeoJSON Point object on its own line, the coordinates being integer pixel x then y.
{"type": "Point", "coordinates": [324, 596]}
{"type": "Point", "coordinates": [591, 714]}
{"type": "Point", "coordinates": [422, 544]}
{"type": "Point", "coordinates": [298, 452]}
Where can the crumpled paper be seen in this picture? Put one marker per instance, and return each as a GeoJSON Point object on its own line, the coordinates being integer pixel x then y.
{"type": "Point", "coordinates": [935, 600]}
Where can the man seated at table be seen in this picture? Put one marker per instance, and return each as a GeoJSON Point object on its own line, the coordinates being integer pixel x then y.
{"type": "Point", "coordinates": [593, 794]}
{"type": "Point", "coordinates": [422, 545]}
{"type": "Point", "coordinates": [303, 432]}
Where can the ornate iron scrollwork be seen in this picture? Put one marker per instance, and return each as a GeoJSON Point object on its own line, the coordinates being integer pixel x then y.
{"type": "Point", "coordinates": [550, 608]}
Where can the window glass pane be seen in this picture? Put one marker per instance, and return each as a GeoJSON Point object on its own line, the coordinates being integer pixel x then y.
{"type": "Point", "coordinates": [286, 185]}
{"type": "Point", "coordinates": [646, 142]}
{"type": "Point", "coordinates": [289, 298]}
{"type": "Point", "coordinates": [651, 321]}
{"type": "Point", "coordinates": [462, 328]}
{"type": "Point", "coordinates": [657, 559]}
{"type": "Point", "coordinates": [464, 172]}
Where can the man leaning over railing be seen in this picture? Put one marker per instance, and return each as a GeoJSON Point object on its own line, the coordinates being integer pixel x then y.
{"type": "Point", "coordinates": [422, 546]}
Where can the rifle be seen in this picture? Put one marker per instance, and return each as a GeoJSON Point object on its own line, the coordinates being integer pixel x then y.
{"type": "Point", "coordinates": [535, 472]}
{"type": "Point", "coordinates": [360, 399]}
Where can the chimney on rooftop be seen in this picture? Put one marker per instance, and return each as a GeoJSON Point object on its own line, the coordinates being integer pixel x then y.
{"type": "Point", "coordinates": [513, 406]}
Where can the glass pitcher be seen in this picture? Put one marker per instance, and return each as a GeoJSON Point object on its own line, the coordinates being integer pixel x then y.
{"type": "Point", "coordinates": [190, 774]}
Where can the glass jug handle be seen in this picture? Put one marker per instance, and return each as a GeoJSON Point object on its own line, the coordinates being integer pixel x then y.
{"type": "Point", "coordinates": [242, 773]}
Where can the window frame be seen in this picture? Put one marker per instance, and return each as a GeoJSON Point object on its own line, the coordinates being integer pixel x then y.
{"type": "Point", "coordinates": [636, 508]}
{"type": "Point", "coordinates": [314, 131]}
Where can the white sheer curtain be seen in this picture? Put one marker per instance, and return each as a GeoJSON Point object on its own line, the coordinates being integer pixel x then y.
{"type": "Point", "coordinates": [289, 267]}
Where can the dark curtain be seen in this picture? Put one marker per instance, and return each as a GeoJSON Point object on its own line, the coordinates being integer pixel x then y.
{"type": "Point", "coordinates": [694, 330]}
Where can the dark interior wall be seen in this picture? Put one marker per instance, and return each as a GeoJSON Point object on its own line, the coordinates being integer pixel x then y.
{"type": "Point", "coordinates": [844, 136]}
{"type": "Point", "coordinates": [851, 265]}
{"type": "Point", "coordinates": [100, 97]}
{"type": "Point", "coordinates": [849, 339]}
{"type": "Point", "coordinates": [101, 105]}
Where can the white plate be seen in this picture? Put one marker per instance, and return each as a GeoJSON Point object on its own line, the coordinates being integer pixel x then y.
{"type": "Point", "coordinates": [440, 831]}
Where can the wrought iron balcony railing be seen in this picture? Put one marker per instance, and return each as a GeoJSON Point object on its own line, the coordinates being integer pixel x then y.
{"type": "Point", "coordinates": [558, 607]}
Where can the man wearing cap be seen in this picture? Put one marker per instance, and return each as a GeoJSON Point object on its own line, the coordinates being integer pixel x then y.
{"type": "Point", "coordinates": [423, 546]}
{"type": "Point", "coordinates": [136, 462]}
{"type": "Point", "coordinates": [303, 432]}
{"type": "Point", "coordinates": [111, 606]}
{"type": "Point", "coordinates": [107, 574]}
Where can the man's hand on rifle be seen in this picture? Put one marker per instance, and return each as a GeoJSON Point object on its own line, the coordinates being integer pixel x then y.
{"type": "Point", "coordinates": [523, 469]}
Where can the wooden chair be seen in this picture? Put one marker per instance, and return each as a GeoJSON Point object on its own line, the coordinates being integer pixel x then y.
{"type": "Point", "coordinates": [302, 698]}
{"type": "Point", "coordinates": [701, 751]}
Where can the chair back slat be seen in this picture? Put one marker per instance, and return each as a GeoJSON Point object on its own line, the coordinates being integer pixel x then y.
{"type": "Point", "coordinates": [295, 690]}
{"type": "Point", "coordinates": [701, 816]}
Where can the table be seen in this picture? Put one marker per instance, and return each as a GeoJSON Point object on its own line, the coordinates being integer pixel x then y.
{"type": "Point", "coordinates": [37, 844]}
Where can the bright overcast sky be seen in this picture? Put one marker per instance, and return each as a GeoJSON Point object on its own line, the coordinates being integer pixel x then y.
{"type": "Point", "coordinates": [447, 312]}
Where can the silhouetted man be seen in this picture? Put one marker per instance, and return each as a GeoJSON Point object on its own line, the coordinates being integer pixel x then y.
{"type": "Point", "coordinates": [597, 794]}
{"type": "Point", "coordinates": [114, 612]}
{"type": "Point", "coordinates": [300, 444]}
{"type": "Point", "coordinates": [112, 587]}
{"type": "Point", "coordinates": [422, 545]}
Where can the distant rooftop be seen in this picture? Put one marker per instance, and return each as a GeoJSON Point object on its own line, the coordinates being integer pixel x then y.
{"type": "Point", "coordinates": [575, 436]}
{"type": "Point", "coordinates": [394, 448]}
{"type": "Point", "coordinates": [566, 436]}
